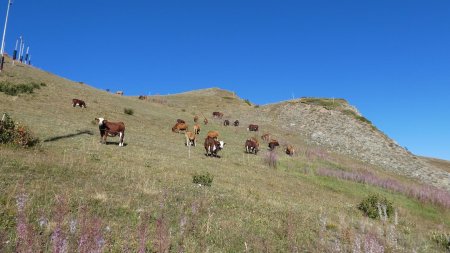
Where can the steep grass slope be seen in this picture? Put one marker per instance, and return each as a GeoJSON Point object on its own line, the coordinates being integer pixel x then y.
{"type": "Point", "coordinates": [250, 206]}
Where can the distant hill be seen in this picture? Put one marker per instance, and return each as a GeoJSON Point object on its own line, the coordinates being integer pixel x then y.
{"type": "Point", "coordinates": [307, 203]}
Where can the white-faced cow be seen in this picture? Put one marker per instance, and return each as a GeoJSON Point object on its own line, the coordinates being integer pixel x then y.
{"type": "Point", "coordinates": [290, 150]}
{"type": "Point", "coordinates": [78, 102]}
{"type": "Point", "coordinates": [111, 129]}
{"type": "Point", "coordinates": [218, 115]}
{"type": "Point", "coordinates": [251, 146]}
{"type": "Point", "coordinates": [226, 122]}
{"type": "Point", "coordinates": [252, 127]}
{"type": "Point", "coordinates": [190, 139]}
{"type": "Point", "coordinates": [212, 146]}
{"type": "Point", "coordinates": [236, 123]}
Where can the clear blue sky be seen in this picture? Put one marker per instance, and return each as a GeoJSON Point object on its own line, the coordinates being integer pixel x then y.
{"type": "Point", "coordinates": [391, 59]}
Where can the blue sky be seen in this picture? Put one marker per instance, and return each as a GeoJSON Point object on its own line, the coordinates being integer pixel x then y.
{"type": "Point", "coordinates": [391, 59]}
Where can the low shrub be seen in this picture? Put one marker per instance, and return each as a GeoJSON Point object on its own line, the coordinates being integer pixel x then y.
{"type": "Point", "coordinates": [376, 207]}
{"type": "Point", "coordinates": [16, 133]}
{"type": "Point", "coordinates": [248, 102]}
{"type": "Point", "coordinates": [441, 239]}
{"type": "Point", "coordinates": [16, 89]}
{"type": "Point", "coordinates": [203, 179]}
{"type": "Point", "coordinates": [128, 111]}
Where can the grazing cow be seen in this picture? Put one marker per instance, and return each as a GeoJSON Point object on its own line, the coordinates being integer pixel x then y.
{"type": "Point", "coordinates": [212, 146]}
{"type": "Point", "coordinates": [110, 129]}
{"type": "Point", "coordinates": [273, 144]}
{"type": "Point", "coordinates": [119, 92]}
{"type": "Point", "coordinates": [290, 150]}
{"type": "Point", "coordinates": [179, 127]}
{"type": "Point", "coordinates": [180, 121]}
{"type": "Point", "coordinates": [236, 123]}
{"type": "Point", "coordinates": [78, 102]}
{"type": "Point", "coordinates": [196, 129]}
{"type": "Point", "coordinates": [141, 97]}
{"type": "Point", "coordinates": [205, 121]}
{"type": "Point", "coordinates": [190, 139]}
{"type": "Point", "coordinates": [251, 146]}
{"type": "Point", "coordinates": [218, 115]}
{"type": "Point", "coordinates": [252, 127]}
{"type": "Point", "coordinates": [195, 118]}
{"type": "Point", "coordinates": [213, 134]}
{"type": "Point", "coordinates": [266, 137]}
{"type": "Point", "coordinates": [226, 122]}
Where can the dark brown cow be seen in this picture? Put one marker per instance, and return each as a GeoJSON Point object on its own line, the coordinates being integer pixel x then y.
{"type": "Point", "coordinates": [273, 144]}
{"type": "Point", "coordinates": [180, 121]}
{"type": "Point", "coordinates": [236, 123]}
{"type": "Point", "coordinates": [226, 122]}
{"type": "Point", "coordinates": [179, 127]}
{"type": "Point", "coordinates": [265, 137]}
{"type": "Point", "coordinates": [110, 129]}
{"type": "Point", "coordinates": [196, 129]}
{"type": "Point", "coordinates": [212, 146]}
{"type": "Point", "coordinates": [251, 146]}
{"type": "Point", "coordinates": [290, 150]}
{"type": "Point", "coordinates": [218, 115]}
{"type": "Point", "coordinates": [195, 118]}
{"type": "Point", "coordinates": [141, 97]}
{"type": "Point", "coordinates": [252, 127]}
{"type": "Point", "coordinates": [78, 102]}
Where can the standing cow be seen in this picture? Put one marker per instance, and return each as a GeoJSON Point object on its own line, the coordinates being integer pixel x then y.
{"type": "Point", "coordinates": [212, 146]}
{"type": "Point", "coordinates": [191, 139]}
{"type": "Point", "coordinates": [251, 146]}
{"type": "Point", "coordinates": [252, 127]}
{"type": "Point", "coordinates": [236, 123]}
{"type": "Point", "coordinates": [218, 115]}
{"type": "Point", "coordinates": [78, 102]}
{"type": "Point", "coordinates": [226, 122]}
{"type": "Point", "coordinates": [110, 129]}
{"type": "Point", "coordinates": [273, 144]}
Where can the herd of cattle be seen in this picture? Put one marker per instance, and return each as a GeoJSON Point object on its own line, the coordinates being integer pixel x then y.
{"type": "Point", "coordinates": [211, 144]}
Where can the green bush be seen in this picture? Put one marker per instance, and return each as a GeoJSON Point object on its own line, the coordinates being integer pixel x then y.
{"type": "Point", "coordinates": [16, 89]}
{"type": "Point", "coordinates": [248, 102]}
{"type": "Point", "coordinates": [370, 206]}
{"type": "Point", "coordinates": [442, 239]}
{"type": "Point", "coordinates": [128, 111]}
{"type": "Point", "coordinates": [203, 179]}
{"type": "Point", "coordinates": [15, 133]}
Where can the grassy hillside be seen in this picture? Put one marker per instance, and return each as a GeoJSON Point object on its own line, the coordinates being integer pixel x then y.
{"type": "Point", "coordinates": [141, 196]}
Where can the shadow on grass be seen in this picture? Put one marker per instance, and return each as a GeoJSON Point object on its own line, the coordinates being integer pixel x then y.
{"type": "Point", "coordinates": [56, 138]}
{"type": "Point", "coordinates": [115, 143]}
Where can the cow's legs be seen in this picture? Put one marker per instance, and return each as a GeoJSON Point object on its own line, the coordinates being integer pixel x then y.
{"type": "Point", "coordinates": [121, 135]}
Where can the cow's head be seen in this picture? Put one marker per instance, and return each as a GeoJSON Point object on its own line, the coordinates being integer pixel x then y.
{"type": "Point", "coordinates": [100, 121]}
{"type": "Point", "coordinates": [221, 144]}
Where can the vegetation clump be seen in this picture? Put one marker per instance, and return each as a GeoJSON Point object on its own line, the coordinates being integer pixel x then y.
{"type": "Point", "coordinates": [203, 179]}
{"type": "Point", "coordinates": [327, 103]}
{"type": "Point", "coordinates": [248, 102]}
{"type": "Point", "coordinates": [16, 89]}
{"type": "Point", "coordinates": [376, 207]}
{"type": "Point", "coordinates": [128, 111]}
{"type": "Point", "coordinates": [16, 133]}
{"type": "Point", "coordinates": [442, 239]}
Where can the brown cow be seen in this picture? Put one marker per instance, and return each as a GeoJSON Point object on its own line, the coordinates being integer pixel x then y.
{"type": "Point", "coordinates": [78, 102]}
{"type": "Point", "coordinates": [212, 146]}
{"type": "Point", "coordinates": [179, 127]}
{"type": "Point", "coordinates": [266, 137]}
{"type": "Point", "coordinates": [218, 115]}
{"type": "Point", "coordinates": [290, 150]}
{"type": "Point", "coordinates": [213, 134]}
{"type": "Point", "coordinates": [196, 129]}
{"type": "Point", "coordinates": [252, 127]}
{"type": "Point", "coordinates": [110, 129]}
{"type": "Point", "coordinates": [195, 118]}
{"type": "Point", "coordinates": [236, 123]}
{"type": "Point", "coordinates": [205, 121]}
{"type": "Point", "coordinates": [141, 97]}
{"type": "Point", "coordinates": [273, 144]}
{"type": "Point", "coordinates": [226, 122]}
{"type": "Point", "coordinates": [251, 146]}
{"type": "Point", "coordinates": [190, 139]}
{"type": "Point", "coordinates": [119, 92]}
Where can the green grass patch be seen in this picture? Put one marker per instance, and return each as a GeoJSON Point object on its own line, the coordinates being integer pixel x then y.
{"type": "Point", "coordinates": [21, 88]}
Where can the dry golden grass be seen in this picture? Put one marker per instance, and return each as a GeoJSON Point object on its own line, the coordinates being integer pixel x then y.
{"type": "Point", "coordinates": [249, 204]}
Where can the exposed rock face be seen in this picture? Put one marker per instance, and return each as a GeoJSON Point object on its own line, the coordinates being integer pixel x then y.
{"type": "Point", "coordinates": [342, 129]}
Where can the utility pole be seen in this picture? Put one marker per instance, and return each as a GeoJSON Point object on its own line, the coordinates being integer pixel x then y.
{"type": "Point", "coordinates": [2, 51]}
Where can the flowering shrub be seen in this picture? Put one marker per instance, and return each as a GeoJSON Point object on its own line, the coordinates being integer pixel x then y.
{"type": "Point", "coordinates": [16, 133]}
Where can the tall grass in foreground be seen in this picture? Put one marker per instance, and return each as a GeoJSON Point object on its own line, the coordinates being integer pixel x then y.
{"type": "Point", "coordinates": [425, 194]}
